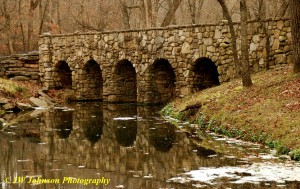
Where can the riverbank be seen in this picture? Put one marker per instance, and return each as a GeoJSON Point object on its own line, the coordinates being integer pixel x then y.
{"type": "Point", "coordinates": [267, 113]}
{"type": "Point", "coordinates": [14, 97]}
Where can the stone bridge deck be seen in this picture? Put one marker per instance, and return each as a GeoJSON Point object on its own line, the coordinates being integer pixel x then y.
{"type": "Point", "coordinates": [154, 65]}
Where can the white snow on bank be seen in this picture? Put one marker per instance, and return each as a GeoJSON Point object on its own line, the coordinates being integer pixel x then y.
{"type": "Point", "coordinates": [124, 118]}
{"type": "Point", "coordinates": [255, 173]}
{"type": "Point", "coordinates": [128, 118]}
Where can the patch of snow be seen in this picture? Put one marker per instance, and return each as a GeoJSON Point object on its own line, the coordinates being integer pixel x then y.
{"type": "Point", "coordinates": [124, 118]}
{"type": "Point", "coordinates": [255, 173]}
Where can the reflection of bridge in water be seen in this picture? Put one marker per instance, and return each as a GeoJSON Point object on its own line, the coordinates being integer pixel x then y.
{"type": "Point", "coordinates": [87, 141]}
{"type": "Point", "coordinates": [127, 144]}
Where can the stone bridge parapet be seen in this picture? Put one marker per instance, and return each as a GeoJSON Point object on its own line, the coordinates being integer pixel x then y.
{"type": "Point", "coordinates": [154, 65]}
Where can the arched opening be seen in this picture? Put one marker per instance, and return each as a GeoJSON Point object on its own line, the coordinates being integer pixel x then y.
{"type": "Point", "coordinates": [164, 78]}
{"type": "Point", "coordinates": [205, 74]}
{"type": "Point", "coordinates": [125, 82]}
{"type": "Point", "coordinates": [64, 75]}
{"type": "Point", "coordinates": [92, 81]}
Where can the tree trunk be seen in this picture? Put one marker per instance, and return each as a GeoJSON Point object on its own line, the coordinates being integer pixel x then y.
{"type": "Point", "coordinates": [155, 15]}
{"type": "Point", "coordinates": [233, 37]}
{"type": "Point", "coordinates": [7, 27]}
{"type": "Point", "coordinates": [150, 20]}
{"type": "Point", "coordinates": [246, 77]}
{"type": "Point", "coordinates": [33, 5]}
{"type": "Point", "coordinates": [171, 13]}
{"type": "Point", "coordinates": [20, 24]}
{"type": "Point", "coordinates": [125, 14]}
{"type": "Point", "coordinates": [58, 16]}
{"type": "Point", "coordinates": [192, 9]}
{"type": "Point", "coordinates": [143, 15]}
{"type": "Point", "coordinates": [295, 22]}
{"type": "Point", "coordinates": [283, 9]}
{"type": "Point", "coordinates": [43, 15]}
{"type": "Point", "coordinates": [261, 14]}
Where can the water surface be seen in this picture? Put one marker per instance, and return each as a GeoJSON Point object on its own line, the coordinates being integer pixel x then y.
{"type": "Point", "coordinates": [96, 145]}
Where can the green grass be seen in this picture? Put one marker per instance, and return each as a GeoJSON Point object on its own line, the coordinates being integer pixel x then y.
{"type": "Point", "coordinates": [268, 112]}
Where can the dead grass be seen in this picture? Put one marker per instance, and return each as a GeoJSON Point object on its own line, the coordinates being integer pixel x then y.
{"type": "Point", "coordinates": [271, 107]}
{"type": "Point", "coordinates": [62, 96]}
{"type": "Point", "coordinates": [17, 91]}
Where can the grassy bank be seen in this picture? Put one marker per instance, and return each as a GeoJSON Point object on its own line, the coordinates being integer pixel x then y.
{"type": "Point", "coordinates": [268, 112]}
{"type": "Point", "coordinates": [16, 91]}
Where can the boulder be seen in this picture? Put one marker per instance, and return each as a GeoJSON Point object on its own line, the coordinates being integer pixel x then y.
{"type": "Point", "coordinates": [49, 103]}
{"type": "Point", "coordinates": [36, 102]}
{"type": "Point", "coordinates": [3, 100]}
{"type": "Point", "coordinates": [2, 121]}
{"type": "Point", "coordinates": [24, 106]}
{"type": "Point", "coordinates": [8, 106]}
{"type": "Point", "coordinates": [20, 78]}
{"type": "Point", "coordinates": [44, 95]}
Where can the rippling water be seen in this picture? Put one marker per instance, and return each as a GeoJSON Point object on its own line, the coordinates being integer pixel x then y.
{"type": "Point", "coordinates": [96, 145]}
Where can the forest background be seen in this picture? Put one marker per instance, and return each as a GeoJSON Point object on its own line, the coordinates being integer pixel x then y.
{"type": "Point", "coordinates": [22, 21]}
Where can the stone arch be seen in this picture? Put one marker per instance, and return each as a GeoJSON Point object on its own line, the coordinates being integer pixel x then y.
{"type": "Point", "coordinates": [63, 75]}
{"type": "Point", "coordinates": [125, 82]}
{"type": "Point", "coordinates": [162, 80]}
{"type": "Point", "coordinates": [205, 74]}
{"type": "Point", "coordinates": [91, 81]}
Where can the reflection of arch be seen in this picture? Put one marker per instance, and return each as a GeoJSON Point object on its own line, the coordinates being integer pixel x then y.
{"type": "Point", "coordinates": [64, 75]}
{"type": "Point", "coordinates": [92, 81]}
{"type": "Point", "coordinates": [163, 87]}
{"type": "Point", "coordinates": [203, 151]}
{"type": "Point", "coordinates": [206, 74]}
{"type": "Point", "coordinates": [126, 132]}
{"type": "Point", "coordinates": [93, 129]}
{"type": "Point", "coordinates": [163, 137]}
{"type": "Point", "coordinates": [63, 123]}
{"type": "Point", "coordinates": [125, 81]}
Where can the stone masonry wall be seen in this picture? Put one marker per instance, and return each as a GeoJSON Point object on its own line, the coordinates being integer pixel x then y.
{"type": "Point", "coordinates": [181, 46]}
{"type": "Point", "coordinates": [21, 67]}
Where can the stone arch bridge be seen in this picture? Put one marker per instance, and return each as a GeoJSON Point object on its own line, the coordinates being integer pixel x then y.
{"type": "Point", "coordinates": [154, 65]}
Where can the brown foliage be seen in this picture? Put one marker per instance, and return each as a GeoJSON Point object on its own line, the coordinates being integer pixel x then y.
{"type": "Point", "coordinates": [21, 21]}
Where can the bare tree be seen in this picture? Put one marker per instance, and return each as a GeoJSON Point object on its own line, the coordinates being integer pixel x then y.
{"type": "Point", "coordinates": [194, 7]}
{"type": "Point", "coordinates": [125, 13]}
{"type": "Point", "coordinates": [233, 36]}
{"type": "Point", "coordinates": [43, 11]}
{"type": "Point", "coordinates": [171, 12]}
{"type": "Point", "coordinates": [261, 14]}
{"type": "Point", "coordinates": [32, 7]}
{"type": "Point", "coordinates": [295, 21]}
{"type": "Point", "coordinates": [150, 21]}
{"type": "Point", "coordinates": [7, 26]}
{"type": "Point", "coordinates": [87, 17]}
{"type": "Point", "coordinates": [21, 26]}
{"type": "Point", "coordinates": [246, 77]}
{"type": "Point", "coordinates": [283, 9]}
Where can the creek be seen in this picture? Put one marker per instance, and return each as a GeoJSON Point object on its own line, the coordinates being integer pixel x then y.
{"type": "Point", "coordinates": [99, 145]}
